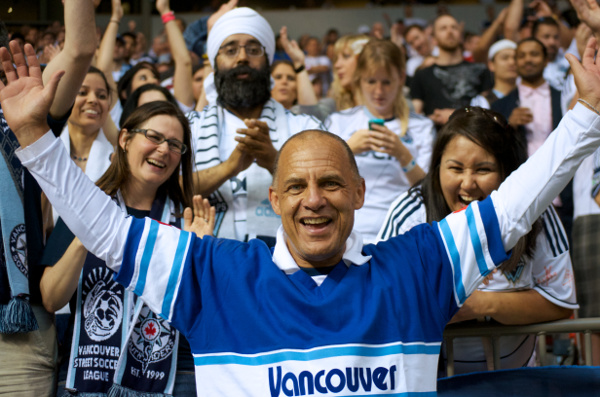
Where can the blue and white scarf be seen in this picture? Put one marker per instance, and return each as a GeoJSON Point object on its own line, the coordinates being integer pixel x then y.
{"type": "Point", "coordinates": [120, 347]}
{"type": "Point", "coordinates": [16, 316]}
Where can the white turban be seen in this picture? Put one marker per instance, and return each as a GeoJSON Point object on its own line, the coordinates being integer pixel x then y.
{"type": "Point", "coordinates": [241, 20]}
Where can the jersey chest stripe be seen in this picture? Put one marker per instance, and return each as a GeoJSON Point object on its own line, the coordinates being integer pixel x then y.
{"type": "Point", "coordinates": [561, 240]}
{"type": "Point", "coordinates": [475, 242]}
{"type": "Point", "coordinates": [146, 257]}
{"type": "Point", "coordinates": [321, 353]}
{"type": "Point", "coordinates": [182, 244]}
{"type": "Point", "coordinates": [408, 214]}
{"type": "Point", "coordinates": [455, 258]}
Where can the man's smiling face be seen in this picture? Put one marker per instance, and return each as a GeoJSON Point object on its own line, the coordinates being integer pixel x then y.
{"type": "Point", "coordinates": [316, 191]}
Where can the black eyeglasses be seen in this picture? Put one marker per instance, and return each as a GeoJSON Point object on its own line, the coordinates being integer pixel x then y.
{"type": "Point", "coordinates": [233, 49]}
{"type": "Point", "coordinates": [158, 138]}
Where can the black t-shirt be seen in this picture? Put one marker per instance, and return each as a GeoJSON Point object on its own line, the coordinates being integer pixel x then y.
{"type": "Point", "coordinates": [441, 87]}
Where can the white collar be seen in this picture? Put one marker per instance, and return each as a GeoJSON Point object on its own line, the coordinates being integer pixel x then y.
{"type": "Point", "coordinates": [352, 256]}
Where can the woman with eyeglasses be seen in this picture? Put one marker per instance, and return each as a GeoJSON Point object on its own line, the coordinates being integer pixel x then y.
{"type": "Point", "coordinates": [114, 336]}
{"type": "Point", "coordinates": [474, 152]}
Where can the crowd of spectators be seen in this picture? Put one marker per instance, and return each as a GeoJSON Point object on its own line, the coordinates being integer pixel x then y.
{"type": "Point", "coordinates": [389, 90]}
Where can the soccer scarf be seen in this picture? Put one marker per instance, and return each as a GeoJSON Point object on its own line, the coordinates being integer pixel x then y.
{"type": "Point", "coordinates": [260, 219]}
{"type": "Point", "coordinates": [16, 316]}
{"type": "Point", "coordinates": [120, 347]}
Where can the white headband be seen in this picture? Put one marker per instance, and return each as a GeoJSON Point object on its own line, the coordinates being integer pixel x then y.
{"type": "Point", "coordinates": [499, 46]}
{"type": "Point", "coordinates": [241, 20]}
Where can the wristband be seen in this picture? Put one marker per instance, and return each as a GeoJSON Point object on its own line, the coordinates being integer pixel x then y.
{"type": "Point", "coordinates": [299, 69]}
{"type": "Point", "coordinates": [589, 105]}
{"type": "Point", "coordinates": [167, 17]}
{"type": "Point", "coordinates": [115, 21]}
{"type": "Point", "coordinates": [410, 166]}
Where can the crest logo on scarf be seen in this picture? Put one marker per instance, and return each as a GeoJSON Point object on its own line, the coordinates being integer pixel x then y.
{"type": "Point", "coordinates": [18, 248]}
{"type": "Point", "coordinates": [153, 339]}
{"type": "Point", "coordinates": [103, 305]}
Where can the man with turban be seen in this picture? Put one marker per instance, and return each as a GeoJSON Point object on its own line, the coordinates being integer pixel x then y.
{"type": "Point", "coordinates": [238, 134]}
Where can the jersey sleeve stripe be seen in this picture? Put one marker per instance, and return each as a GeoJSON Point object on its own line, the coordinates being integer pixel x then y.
{"type": "Point", "coordinates": [492, 231]}
{"type": "Point", "coordinates": [175, 276]}
{"type": "Point", "coordinates": [475, 241]}
{"type": "Point", "coordinates": [146, 257]}
{"type": "Point", "coordinates": [452, 250]}
{"type": "Point", "coordinates": [131, 246]}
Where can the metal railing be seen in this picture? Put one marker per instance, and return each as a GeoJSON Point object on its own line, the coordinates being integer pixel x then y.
{"type": "Point", "coordinates": [587, 326]}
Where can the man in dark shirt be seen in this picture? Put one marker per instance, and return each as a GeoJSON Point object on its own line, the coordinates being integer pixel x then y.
{"type": "Point", "coordinates": [451, 82]}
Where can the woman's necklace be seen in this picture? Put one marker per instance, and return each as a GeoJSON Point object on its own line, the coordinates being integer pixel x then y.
{"type": "Point", "coordinates": [80, 159]}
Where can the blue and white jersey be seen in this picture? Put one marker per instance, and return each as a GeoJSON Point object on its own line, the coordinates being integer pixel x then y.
{"type": "Point", "coordinates": [257, 330]}
{"type": "Point", "coordinates": [549, 272]}
{"type": "Point", "coordinates": [384, 178]}
{"type": "Point", "coordinates": [369, 329]}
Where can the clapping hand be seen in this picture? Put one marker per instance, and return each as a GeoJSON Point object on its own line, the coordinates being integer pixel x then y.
{"type": "Point", "coordinates": [200, 220]}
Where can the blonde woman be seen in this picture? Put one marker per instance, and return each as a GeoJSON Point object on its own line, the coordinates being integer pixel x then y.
{"type": "Point", "coordinates": [392, 145]}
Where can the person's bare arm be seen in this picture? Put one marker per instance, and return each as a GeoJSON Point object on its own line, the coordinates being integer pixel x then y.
{"type": "Point", "coordinates": [59, 282]}
{"type": "Point", "coordinates": [182, 77]}
{"type": "Point", "coordinates": [489, 37]}
{"type": "Point", "coordinates": [588, 11]}
{"type": "Point", "coordinates": [511, 308]}
{"type": "Point", "coordinates": [105, 61]}
{"type": "Point", "coordinates": [208, 180]}
{"type": "Point", "coordinates": [76, 56]}
{"type": "Point", "coordinates": [306, 93]}
{"type": "Point", "coordinates": [514, 16]}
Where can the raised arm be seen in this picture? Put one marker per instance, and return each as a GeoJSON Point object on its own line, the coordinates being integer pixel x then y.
{"type": "Point", "coordinates": [306, 93]}
{"type": "Point", "coordinates": [105, 61]}
{"type": "Point", "coordinates": [87, 211]}
{"type": "Point", "coordinates": [489, 36]}
{"type": "Point", "coordinates": [514, 16]}
{"type": "Point", "coordinates": [588, 11]}
{"type": "Point", "coordinates": [76, 56]}
{"type": "Point", "coordinates": [182, 78]}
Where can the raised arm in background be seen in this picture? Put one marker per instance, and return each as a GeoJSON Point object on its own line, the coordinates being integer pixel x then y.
{"type": "Point", "coordinates": [182, 78]}
{"type": "Point", "coordinates": [76, 56]}
{"type": "Point", "coordinates": [489, 37]}
{"type": "Point", "coordinates": [306, 93]}
{"type": "Point", "coordinates": [512, 22]}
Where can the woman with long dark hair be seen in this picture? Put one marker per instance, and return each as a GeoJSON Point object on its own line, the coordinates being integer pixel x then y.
{"type": "Point", "coordinates": [474, 152]}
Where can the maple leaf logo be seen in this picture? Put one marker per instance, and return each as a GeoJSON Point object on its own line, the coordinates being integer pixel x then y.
{"type": "Point", "coordinates": [150, 330]}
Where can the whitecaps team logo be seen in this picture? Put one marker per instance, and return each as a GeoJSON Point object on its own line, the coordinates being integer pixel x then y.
{"type": "Point", "coordinates": [18, 248]}
{"type": "Point", "coordinates": [102, 305]}
{"type": "Point", "coordinates": [153, 339]}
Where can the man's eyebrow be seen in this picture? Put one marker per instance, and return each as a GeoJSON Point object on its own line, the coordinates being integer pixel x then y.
{"type": "Point", "coordinates": [331, 177]}
{"type": "Point", "coordinates": [293, 180]}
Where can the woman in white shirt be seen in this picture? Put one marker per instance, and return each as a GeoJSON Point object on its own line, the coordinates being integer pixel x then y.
{"type": "Point", "coordinates": [392, 145]}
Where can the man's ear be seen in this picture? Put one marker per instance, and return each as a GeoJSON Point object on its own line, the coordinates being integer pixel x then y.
{"type": "Point", "coordinates": [274, 199]}
{"type": "Point", "coordinates": [360, 194]}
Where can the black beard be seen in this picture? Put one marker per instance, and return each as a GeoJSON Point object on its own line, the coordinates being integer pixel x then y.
{"type": "Point", "coordinates": [248, 93]}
